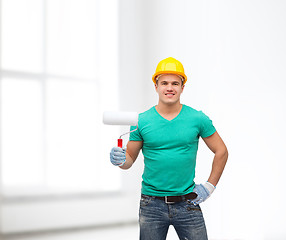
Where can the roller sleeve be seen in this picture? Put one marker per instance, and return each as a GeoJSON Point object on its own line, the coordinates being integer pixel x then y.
{"type": "Point", "coordinates": [120, 118]}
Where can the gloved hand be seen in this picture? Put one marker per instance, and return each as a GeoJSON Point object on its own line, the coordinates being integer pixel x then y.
{"type": "Point", "coordinates": [203, 191]}
{"type": "Point", "coordinates": [118, 156]}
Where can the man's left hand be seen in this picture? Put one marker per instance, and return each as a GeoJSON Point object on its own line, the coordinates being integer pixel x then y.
{"type": "Point", "coordinates": [203, 191]}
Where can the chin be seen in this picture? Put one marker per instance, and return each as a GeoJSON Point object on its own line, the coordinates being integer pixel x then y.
{"type": "Point", "coordinates": [170, 102]}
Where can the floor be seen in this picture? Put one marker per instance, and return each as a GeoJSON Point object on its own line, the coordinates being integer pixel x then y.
{"type": "Point", "coordinates": [126, 232]}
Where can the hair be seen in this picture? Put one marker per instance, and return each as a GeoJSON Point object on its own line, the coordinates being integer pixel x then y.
{"type": "Point", "coordinates": [157, 78]}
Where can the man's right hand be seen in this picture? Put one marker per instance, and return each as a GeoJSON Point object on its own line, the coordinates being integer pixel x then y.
{"type": "Point", "coordinates": [118, 156]}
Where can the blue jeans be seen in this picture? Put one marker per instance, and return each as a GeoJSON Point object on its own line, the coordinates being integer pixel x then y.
{"type": "Point", "coordinates": [155, 217]}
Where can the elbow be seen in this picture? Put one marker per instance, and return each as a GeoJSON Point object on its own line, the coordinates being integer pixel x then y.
{"type": "Point", "coordinates": [223, 152]}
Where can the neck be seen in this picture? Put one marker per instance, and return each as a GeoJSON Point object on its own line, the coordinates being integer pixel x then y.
{"type": "Point", "coordinates": [169, 108]}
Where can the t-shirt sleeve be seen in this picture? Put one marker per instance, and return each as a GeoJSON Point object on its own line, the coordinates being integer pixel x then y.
{"type": "Point", "coordinates": [206, 126]}
{"type": "Point", "coordinates": [135, 136]}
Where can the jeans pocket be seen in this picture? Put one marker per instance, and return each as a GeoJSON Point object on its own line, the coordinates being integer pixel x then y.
{"type": "Point", "coordinates": [145, 200]}
{"type": "Point", "coordinates": [191, 207]}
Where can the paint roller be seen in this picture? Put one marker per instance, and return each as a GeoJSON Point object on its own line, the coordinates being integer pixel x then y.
{"type": "Point", "coordinates": [121, 118]}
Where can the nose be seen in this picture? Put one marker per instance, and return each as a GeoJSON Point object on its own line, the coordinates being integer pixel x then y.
{"type": "Point", "coordinates": [169, 87]}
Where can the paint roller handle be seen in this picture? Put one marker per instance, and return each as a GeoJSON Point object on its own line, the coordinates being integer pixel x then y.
{"type": "Point", "coordinates": [119, 142]}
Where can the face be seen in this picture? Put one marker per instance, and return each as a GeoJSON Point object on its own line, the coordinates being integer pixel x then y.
{"type": "Point", "coordinates": [169, 88]}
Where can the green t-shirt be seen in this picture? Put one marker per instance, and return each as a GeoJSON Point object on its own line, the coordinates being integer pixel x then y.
{"type": "Point", "coordinates": [170, 150]}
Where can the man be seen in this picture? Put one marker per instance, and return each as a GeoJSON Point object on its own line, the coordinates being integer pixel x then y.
{"type": "Point", "coordinates": [168, 135]}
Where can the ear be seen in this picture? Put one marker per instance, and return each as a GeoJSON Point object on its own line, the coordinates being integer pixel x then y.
{"type": "Point", "coordinates": [183, 88]}
{"type": "Point", "coordinates": [156, 87]}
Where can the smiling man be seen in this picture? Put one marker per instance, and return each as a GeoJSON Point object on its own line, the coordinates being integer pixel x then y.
{"type": "Point", "coordinates": [168, 135]}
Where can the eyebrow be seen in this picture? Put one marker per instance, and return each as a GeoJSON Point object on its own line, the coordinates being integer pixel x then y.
{"type": "Point", "coordinates": [175, 81]}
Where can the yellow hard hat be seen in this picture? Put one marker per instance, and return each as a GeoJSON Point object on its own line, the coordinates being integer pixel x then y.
{"type": "Point", "coordinates": [170, 65]}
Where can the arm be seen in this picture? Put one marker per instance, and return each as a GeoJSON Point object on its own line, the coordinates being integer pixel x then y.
{"type": "Point", "coordinates": [217, 146]}
{"type": "Point", "coordinates": [132, 151]}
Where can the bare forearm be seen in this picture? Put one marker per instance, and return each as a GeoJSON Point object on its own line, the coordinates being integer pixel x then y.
{"type": "Point", "coordinates": [218, 165]}
{"type": "Point", "coordinates": [132, 151]}
{"type": "Point", "coordinates": [129, 162]}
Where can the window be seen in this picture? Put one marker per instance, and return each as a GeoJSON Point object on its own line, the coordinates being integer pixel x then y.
{"type": "Point", "coordinates": [59, 71]}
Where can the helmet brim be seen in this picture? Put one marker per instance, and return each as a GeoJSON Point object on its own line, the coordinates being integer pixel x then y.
{"type": "Point", "coordinates": [169, 72]}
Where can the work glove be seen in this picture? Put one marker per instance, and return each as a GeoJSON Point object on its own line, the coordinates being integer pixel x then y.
{"type": "Point", "coordinates": [118, 156]}
{"type": "Point", "coordinates": [203, 191]}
